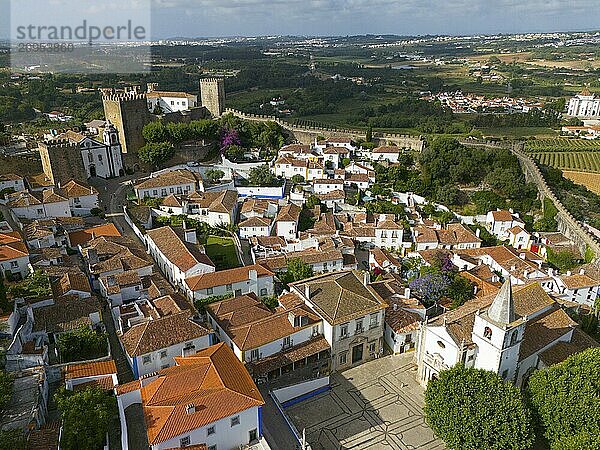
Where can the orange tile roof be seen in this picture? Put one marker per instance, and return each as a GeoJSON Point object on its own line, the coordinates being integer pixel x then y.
{"type": "Point", "coordinates": [224, 277]}
{"type": "Point", "coordinates": [157, 334]}
{"type": "Point", "coordinates": [104, 383]}
{"type": "Point", "coordinates": [214, 382]}
{"type": "Point", "coordinates": [13, 251]}
{"type": "Point", "coordinates": [90, 369]}
{"type": "Point", "coordinates": [175, 249]}
{"type": "Point", "coordinates": [502, 216]}
{"type": "Point", "coordinates": [10, 237]}
{"type": "Point", "coordinates": [71, 281]}
{"type": "Point", "coordinates": [77, 189]}
{"type": "Point", "coordinates": [83, 236]}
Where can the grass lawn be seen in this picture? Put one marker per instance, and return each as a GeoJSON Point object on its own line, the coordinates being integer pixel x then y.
{"type": "Point", "coordinates": [221, 250]}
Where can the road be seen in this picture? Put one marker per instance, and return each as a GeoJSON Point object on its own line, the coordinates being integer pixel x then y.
{"type": "Point", "coordinates": [112, 195]}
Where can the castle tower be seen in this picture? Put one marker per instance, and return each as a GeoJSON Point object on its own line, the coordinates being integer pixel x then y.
{"type": "Point", "coordinates": [498, 334]}
{"type": "Point", "coordinates": [128, 112]}
{"type": "Point", "coordinates": [61, 161]}
{"type": "Point", "coordinates": [212, 93]}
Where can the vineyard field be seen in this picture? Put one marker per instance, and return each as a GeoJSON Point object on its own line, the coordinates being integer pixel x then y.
{"type": "Point", "coordinates": [589, 180]}
{"type": "Point", "coordinates": [580, 161]}
{"type": "Point", "coordinates": [562, 145]}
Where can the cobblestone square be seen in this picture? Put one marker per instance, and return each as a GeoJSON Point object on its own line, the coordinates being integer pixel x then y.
{"type": "Point", "coordinates": [378, 405]}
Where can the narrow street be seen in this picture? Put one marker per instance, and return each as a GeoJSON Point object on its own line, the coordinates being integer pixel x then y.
{"type": "Point", "coordinates": [124, 372]}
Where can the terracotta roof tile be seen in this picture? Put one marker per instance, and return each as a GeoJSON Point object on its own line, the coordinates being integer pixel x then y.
{"type": "Point", "coordinates": [225, 277]}
{"type": "Point", "coordinates": [90, 369]}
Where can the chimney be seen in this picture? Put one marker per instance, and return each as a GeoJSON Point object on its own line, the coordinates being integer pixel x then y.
{"type": "Point", "coordinates": [366, 278]}
{"type": "Point", "coordinates": [569, 273]}
{"type": "Point", "coordinates": [307, 291]}
{"type": "Point", "coordinates": [92, 256]}
{"type": "Point", "coordinates": [406, 292]}
{"type": "Point", "coordinates": [395, 306]}
{"type": "Point", "coordinates": [513, 268]}
{"type": "Point", "coordinates": [550, 272]}
{"type": "Point", "coordinates": [190, 408]}
{"type": "Point", "coordinates": [522, 255]}
{"type": "Point", "coordinates": [525, 273]}
{"type": "Point", "coordinates": [581, 271]}
{"type": "Point", "coordinates": [477, 232]}
{"type": "Point", "coordinates": [252, 275]}
{"type": "Point", "coordinates": [190, 235]}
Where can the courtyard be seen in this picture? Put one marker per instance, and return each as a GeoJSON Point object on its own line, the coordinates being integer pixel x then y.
{"type": "Point", "coordinates": [377, 405]}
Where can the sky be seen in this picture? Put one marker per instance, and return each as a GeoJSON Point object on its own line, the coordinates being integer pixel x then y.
{"type": "Point", "coordinates": [214, 18]}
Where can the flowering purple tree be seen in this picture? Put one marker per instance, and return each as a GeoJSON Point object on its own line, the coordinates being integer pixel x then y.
{"type": "Point", "coordinates": [430, 287]}
{"type": "Point", "coordinates": [229, 136]}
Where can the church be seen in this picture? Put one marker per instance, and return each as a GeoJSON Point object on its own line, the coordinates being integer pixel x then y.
{"type": "Point", "coordinates": [72, 155]}
{"type": "Point", "coordinates": [512, 333]}
{"type": "Point", "coordinates": [584, 105]}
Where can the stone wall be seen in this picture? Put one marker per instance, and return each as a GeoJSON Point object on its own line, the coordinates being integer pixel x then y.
{"type": "Point", "coordinates": [567, 224]}
{"type": "Point", "coordinates": [307, 134]}
{"type": "Point", "coordinates": [61, 161]}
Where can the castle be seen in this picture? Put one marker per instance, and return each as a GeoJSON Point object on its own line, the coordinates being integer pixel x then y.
{"type": "Point", "coordinates": [131, 110]}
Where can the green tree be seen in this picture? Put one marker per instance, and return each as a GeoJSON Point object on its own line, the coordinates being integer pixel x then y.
{"type": "Point", "coordinates": [5, 305]}
{"type": "Point", "coordinates": [155, 154]}
{"type": "Point", "coordinates": [562, 259]}
{"type": "Point", "coordinates": [474, 409]}
{"type": "Point", "coordinates": [156, 132]}
{"type": "Point", "coordinates": [296, 270]}
{"type": "Point", "coordinates": [369, 137]}
{"type": "Point", "coordinates": [262, 176]}
{"type": "Point", "coordinates": [13, 440]}
{"type": "Point", "coordinates": [461, 289]}
{"type": "Point", "coordinates": [297, 179]}
{"type": "Point", "coordinates": [86, 416]}
{"type": "Point", "coordinates": [83, 343]}
{"type": "Point", "coordinates": [6, 383]}
{"type": "Point", "coordinates": [565, 399]}
{"type": "Point", "coordinates": [580, 441]}
{"type": "Point", "coordinates": [214, 175]}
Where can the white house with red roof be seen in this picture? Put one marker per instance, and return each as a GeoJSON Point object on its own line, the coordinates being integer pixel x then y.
{"type": "Point", "coordinates": [500, 221]}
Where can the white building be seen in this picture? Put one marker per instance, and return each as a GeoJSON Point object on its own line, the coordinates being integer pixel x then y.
{"type": "Point", "coordinates": [286, 223]}
{"type": "Point", "coordinates": [39, 205]}
{"type": "Point", "coordinates": [168, 102]}
{"type": "Point", "coordinates": [14, 256]}
{"type": "Point", "coordinates": [309, 170]}
{"type": "Point", "coordinates": [353, 324]}
{"type": "Point", "coordinates": [82, 198]}
{"type": "Point", "coordinates": [154, 344]}
{"type": "Point", "coordinates": [235, 282]}
{"type": "Point", "coordinates": [218, 406]}
{"type": "Point", "coordinates": [255, 226]}
{"type": "Point", "coordinates": [584, 105]}
{"type": "Point", "coordinates": [177, 182]}
{"type": "Point", "coordinates": [386, 153]}
{"type": "Point", "coordinates": [578, 288]}
{"type": "Point", "coordinates": [177, 258]}
{"type": "Point", "coordinates": [519, 238]}
{"type": "Point", "coordinates": [500, 221]}
{"type": "Point", "coordinates": [326, 185]}
{"type": "Point", "coordinates": [12, 181]}
{"type": "Point", "coordinates": [508, 333]}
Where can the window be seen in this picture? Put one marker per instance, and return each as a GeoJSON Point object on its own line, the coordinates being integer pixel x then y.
{"type": "Point", "coordinates": [163, 354]}
{"type": "Point", "coordinates": [90, 157]}
{"type": "Point", "coordinates": [287, 342]}
{"type": "Point", "coordinates": [487, 333]}
{"type": "Point", "coordinates": [147, 359]}
{"type": "Point", "coordinates": [263, 292]}
{"type": "Point", "coordinates": [343, 358]}
{"type": "Point", "coordinates": [171, 190]}
{"type": "Point", "coordinates": [163, 192]}
{"type": "Point", "coordinates": [235, 421]}
{"type": "Point", "coordinates": [372, 347]}
{"type": "Point", "coordinates": [359, 326]}
{"type": "Point", "coordinates": [40, 211]}
{"type": "Point", "coordinates": [343, 330]}
{"type": "Point", "coordinates": [315, 330]}
{"type": "Point", "coordinates": [513, 337]}
{"type": "Point", "coordinates": [441, 344]}
{"type": "Point", "coordinates": [100, 158]}
{"type": "Point", "coordinates": [374, 322]}
{"type": "Point", "coordinates": [184, 441]}
{"type": "Point", "coordinates": [212, 447]}
{"type": "Point", "coordinates": [155, 192]}
{"type": "Point", "coordinates": [254, 354]}
{"type": "Point", "coordinates": [210, 430]}
{"type": "Point", "coordinates": [505, 374]}
{"type": "Point", "coordinates": [209, 291]}
{"type": "Point", "coordinates": [229, 288]}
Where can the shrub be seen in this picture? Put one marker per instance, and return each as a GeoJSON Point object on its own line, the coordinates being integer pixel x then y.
{"type": "Point", "coordinates": [474, 409]}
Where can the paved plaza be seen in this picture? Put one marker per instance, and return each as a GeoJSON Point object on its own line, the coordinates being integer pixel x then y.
{"type": "Point", "coordinates": [377, 405]}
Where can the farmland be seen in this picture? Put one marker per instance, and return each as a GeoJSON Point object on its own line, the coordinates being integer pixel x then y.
{"type": "Point", "coordinates": [562, 145]}
{"type": "Point", "coordinates": [589, 180]}
{"type": "Point", "coordinates": [587, 161]}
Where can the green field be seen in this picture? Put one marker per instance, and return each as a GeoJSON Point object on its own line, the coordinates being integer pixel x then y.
{"type": "Point", "coordinates": [221, 250]}
{"type": "Point", "coordinates": [518, 132]}
{"type": "Point", "coordinates": [562, 145]}
{"type": "Point", "coordinates": [581, 161]}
